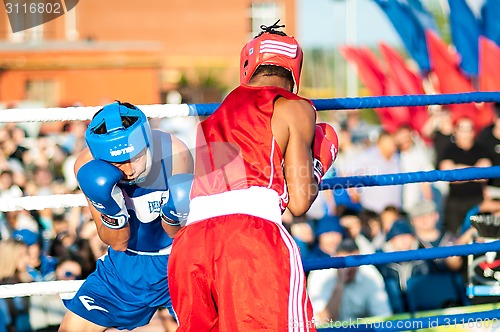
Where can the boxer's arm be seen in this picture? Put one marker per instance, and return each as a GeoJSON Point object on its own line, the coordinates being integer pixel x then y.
{"type": "Point", "coordinates": [182, 163]}
{"type": "Point", "coordinates": [293, 125]}
{"type": "Point", "coordinates": [175, 211]}
{"type": "Point", "coordinates": [182, 160]}
{"type": "Point", "coordinates": [116, 238]}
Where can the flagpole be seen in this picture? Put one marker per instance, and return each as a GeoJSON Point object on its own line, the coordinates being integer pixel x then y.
{"type": "Point", "coordinates": [351, 40]}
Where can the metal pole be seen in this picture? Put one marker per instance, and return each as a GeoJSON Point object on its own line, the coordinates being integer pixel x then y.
{"type": "Point", "coordinates": [351, 40]}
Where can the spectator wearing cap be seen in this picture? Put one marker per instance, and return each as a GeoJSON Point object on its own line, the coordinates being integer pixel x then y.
{"type": "Point", "coordinates": [329, 235]}
{"type": "Point", "coordinates": [400, 237]}
{"type": "Point", "coordinates": [26, 236]}
{"type": "Point", "coordinates": [12, 220]}
{"type": "Point", "coordinates": [45, 311]}
{"type": "Point", "coordinates": [41, 266]}
{"type": "Point", "coordinates": [396, 275]}
{"type": "Point", "coordinates": [350, 293]}
{"type": "Point", "coordinates": [424, 218]}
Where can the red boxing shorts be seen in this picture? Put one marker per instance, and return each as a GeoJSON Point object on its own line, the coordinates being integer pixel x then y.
{"type": "Point", "coordinates": [238, 272]}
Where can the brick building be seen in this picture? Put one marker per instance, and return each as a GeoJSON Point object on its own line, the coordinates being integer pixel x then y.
{"type": "Point", "coordinates": [132, 50]}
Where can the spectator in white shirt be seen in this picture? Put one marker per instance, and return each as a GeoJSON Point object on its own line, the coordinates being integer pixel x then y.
{"type": "Point", "coordinates": [349, 293]}
{"type": "Point", "coordinates": [379, 159]}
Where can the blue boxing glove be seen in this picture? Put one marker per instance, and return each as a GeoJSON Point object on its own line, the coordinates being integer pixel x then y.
{"type": "Point", "coordinates": [98, 180]}
{"type": "Point", "coordinates": [175, 211]}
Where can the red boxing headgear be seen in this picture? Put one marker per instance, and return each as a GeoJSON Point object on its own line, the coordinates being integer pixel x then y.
{"type": "Point", "coordinates": [271, 49]}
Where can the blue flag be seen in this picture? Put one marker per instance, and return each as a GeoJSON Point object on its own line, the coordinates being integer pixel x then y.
{"type": "Point", "coordinates": [465, 32]}
{"type": "Point", "coordinates": [491, 23]}
{"type": "Point", "coordinates": [423, 15]}
{"type": "Point", "coordinates": [409, 28]}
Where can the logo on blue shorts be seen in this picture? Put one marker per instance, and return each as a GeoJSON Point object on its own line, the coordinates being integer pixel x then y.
{"type": "Point", "coordinates": [87, 302]}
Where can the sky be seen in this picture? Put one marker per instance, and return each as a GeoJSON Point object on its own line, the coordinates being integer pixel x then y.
{"type": "Point", "coordinates": [322, 23]}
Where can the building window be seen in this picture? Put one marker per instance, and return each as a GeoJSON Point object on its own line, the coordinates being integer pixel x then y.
{"type": "Point", "coordinates": [43, 90]}
{"type": "Point", "coordinates": [263, 13]}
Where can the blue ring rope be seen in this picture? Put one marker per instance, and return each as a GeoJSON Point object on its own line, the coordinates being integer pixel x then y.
{"type": "Point", "coordinates": [463, 174]}
{"type": "Point", "coordinates": [421, 322]}
{"type": "Point", "coordinates": [400, 256]}
{"type": "Point", "coordinates": [377, 102]}
{"type": "Point", "coordinates": [405, 100]}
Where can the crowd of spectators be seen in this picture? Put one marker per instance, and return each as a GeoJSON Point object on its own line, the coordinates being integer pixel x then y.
{"type": "Point", "coordinates": [62, 244]}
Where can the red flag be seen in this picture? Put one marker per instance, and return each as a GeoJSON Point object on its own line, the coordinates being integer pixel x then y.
{"type": "Point", "coordinates": [489, 65]}
{"type": "Point", "coordinates": [445, 64]}
{"type": "Point", "coordinates": [408, 82]}
{"type": "Point", "coordinates": [394, 117]}
{"type": "Point", "coordinates": [368, 68]}
{"type": "Point", "coordinates": [397, 116]}
{"type": "Point", "coordinates": [372, 75]}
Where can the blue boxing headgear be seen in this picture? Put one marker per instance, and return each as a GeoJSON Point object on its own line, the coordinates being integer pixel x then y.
{"type": "Point", "coordinates": [108, 139]}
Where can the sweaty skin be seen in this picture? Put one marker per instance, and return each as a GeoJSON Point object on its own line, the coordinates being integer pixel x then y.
{"type": "Point", "coordinates": [293, 126]}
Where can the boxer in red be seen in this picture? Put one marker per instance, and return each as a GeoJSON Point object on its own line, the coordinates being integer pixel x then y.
{"type": "Point", "coordinates": [234, 267]}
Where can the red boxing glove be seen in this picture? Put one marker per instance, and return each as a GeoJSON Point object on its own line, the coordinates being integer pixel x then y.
{"type": "Point", "coordinates": [324, 149]}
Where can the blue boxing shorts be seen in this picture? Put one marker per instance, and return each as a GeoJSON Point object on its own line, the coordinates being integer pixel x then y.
{"type": "Point", "coordinates": [124, 291]}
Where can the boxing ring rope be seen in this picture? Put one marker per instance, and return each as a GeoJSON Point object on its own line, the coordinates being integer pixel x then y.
{"type": "Point", "coordinates": [167, 111]}
{"type": "Point", "coordinates": [400, 256]}
{"type": "Point", "coordinates": [463, 174]}
{"type": "Point", "coordinates": [57, 287]}
{"type": "Point", "coordinates": [170, 110]}
{"type": "Point", "coordinates": [382, 101]}
{"type": "Point", "coordinates": [40, 288]}
{"type": "Point", "coordinates": [42, 202]}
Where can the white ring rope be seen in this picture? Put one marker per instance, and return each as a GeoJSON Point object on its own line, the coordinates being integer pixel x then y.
{"type": "Point", "coordinates": [42, 202]}
{"type": "Point", "coordinates": [40, 288]}
{"type": "Point", "coordinates": [84, 113]}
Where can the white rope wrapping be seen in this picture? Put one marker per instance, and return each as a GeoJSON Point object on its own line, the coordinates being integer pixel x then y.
{"type": "Point", "coordinates": [42, 202]}
{"type": "Point", "coordinates": [84, 113]}
{"type": "Point", "coordinates": [40, 288]}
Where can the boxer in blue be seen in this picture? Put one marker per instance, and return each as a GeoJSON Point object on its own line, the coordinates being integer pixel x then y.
{"type": "Point", "coordinates": [133, 178]}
